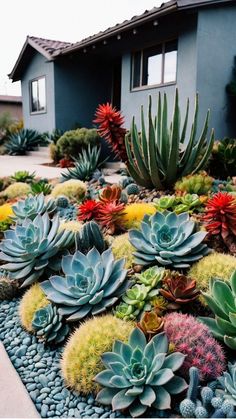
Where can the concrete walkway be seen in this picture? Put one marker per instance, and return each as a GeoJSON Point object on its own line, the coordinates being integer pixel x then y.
{"type": "Point", "coordinates": [15, 400]}
{"type": "Point", "coordinates": [32, 162]}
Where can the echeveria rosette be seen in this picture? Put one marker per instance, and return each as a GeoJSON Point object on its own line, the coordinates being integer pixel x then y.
{"type": "Point", "coordinates": [92, 283]}
{"type": "Point", "coordinates": [48, 325]}
{"type": "Point", "coordinates": [34, 247]}
{"type": "Point", "coordinates": [228, 384]}
{"type": "Point", "coordinates": [32, 206]}
{"type": "Point", "coordinates": [140, 375]}
{"type": "Point", "coordinates": [169, 240]}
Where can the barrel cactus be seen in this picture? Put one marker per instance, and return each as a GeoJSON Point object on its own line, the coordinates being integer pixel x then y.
{"type": "Point", "coordinates": [33, 247]}
{"type": "Point", "coordinates": [48, 325]}
{"type": "Point", "coordinates": [92, 283]}
{"type": "Point", "coordinates": [32, 206]}
{"type": "Point", "coordinates": [140, 375]}
{"type": "Point", "coordinates": [169, 240]}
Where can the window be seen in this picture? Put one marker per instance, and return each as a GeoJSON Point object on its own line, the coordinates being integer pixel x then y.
{"type": "Point", "coordinates": [38, 95]}
{"type": "Point", "coordinates": [155, 65]}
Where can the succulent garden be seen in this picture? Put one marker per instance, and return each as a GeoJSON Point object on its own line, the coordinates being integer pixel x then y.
{"type": "Point", "coordinates": [119, 300]}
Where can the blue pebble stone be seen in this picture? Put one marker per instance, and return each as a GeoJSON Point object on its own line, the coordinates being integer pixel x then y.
{"type": "Point", "coordinates": [89, 412]}
{"type": "Point", "coordinates": [43, 380]}
{"type": "Point", "coordinates": [40, 365]}
{"type": "Point", "coordinates": [71, 413]}
{"type": "Point", "coordinates": [99, 410]}
{"type": "Point", "coordinates": [37, 358]}
{"type": "Point", "coordinates": [44, 410]}
{"type": "Point", "coordinates": [76, 413]}
{"type": "Point", "coordinates": [34, 394]}
{"type": "Point", "coordinates": [90, 400]}
{"type": "Point", "coordinates": [58, 396]}
{"type": "Point", "coordinates": [38, 406]}
{"type": "Point", "coordinates": [26, 341]}
{"type": "Point", "coordinates": [18, 363]}
{"type": "Point", "coordinates": [31, 387]}
{"type": "Point", "coordinates": [45, 390]}
{"type": "Point", "coordinates": [81, 405]}
{"type": "Point", "coordinates": [65, 392]}
{"type": "Point", "coordinates": [51, 414]}
{"type": "Point", "coordinates": [60, 407]}
{"type": "Point", "coordinates": [41, 397]}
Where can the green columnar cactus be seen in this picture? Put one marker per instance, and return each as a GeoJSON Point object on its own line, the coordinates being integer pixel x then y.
{"type": "Point", "coordinates": [140, 375]}
{"type": "Point", "coordinates": [48, 325]}
{"type": "Point", "coordinates": [33, 247]}
{"type": "Point", "coordinates": [33, 206]}
{"type": "Point", "coordinates": [90, 236]}
{"type": "Point", "coordinates": [92, 283]}
{"type": "Point", "coordinates": [168, 239]}
{"type": "Point", "coordinates": [160, 155]}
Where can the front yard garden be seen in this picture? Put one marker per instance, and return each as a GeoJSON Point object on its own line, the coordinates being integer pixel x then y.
{"type": "Point", "coordinates": [120, 300]}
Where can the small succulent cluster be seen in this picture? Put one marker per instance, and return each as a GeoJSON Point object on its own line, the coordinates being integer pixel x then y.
{"type": "Point", "coordinates": [138, 298]}
{"type": "Point", "coordinates": [23, 176]}
{"type": "Point", "coordinates": [48, 325]}
{"type": "Point", "coordinates": [33, 247]}
{"type": "Point", "coordinates": [200, 184]}
{"type": "Point", "coordinates": [41, 186]}
{"type": "Point", "coordinates": [92, 284]}
{"type": "Point", "coordinates": [168, 239]}
{"type": "Point", "coordinates": [65, 209]}
{"type": "Point", "coordinates": [179, 289]}
{"type": "Point", "coordinates": [204, 402]}
{"type": "Point", "coordinates": [223, 160]}
{"type": "Point", "coordinates": [140, 375]}
{"type": "Point", "coordinates": [221, 300]}
{"type": "Point", "coordinates": [228, 384]}
{"type": "Point", "coordinates": [195, 340]}
{"type": "Point", "coordinates": [110, 122]}
{"type": "Point", "coordinates": [178, 204]}
{"type": "Point", "coordinates": [219, 185]}
{"type": "Point", "coordinates": [31, 207]}
{"type": "Point", "coordinates": [151, 323]}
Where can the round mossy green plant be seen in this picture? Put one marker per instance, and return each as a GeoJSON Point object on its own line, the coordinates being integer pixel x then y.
{"type": "Point", "coordinates": [215, 265]}
{"type": "Point", "coordinates": [81, 360]}
{"type": "Point", "coordinates": [122, 248]}
{"type": "Point", "coordinates": [17, 190]}
{"type": "Point", "coordinates": [73, 189]}
{"type": "Point", "coordinates": [33, 300]}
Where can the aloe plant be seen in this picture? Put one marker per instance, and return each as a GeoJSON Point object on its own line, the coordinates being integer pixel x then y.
{"type": "Point", "coordinates": [158, 158]}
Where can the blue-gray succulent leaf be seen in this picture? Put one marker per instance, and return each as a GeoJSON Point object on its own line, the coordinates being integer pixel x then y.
{"type": "Point", "coordinates": [106, 395]}
{"type": "Point", "coordinates": [160, 343]}
{"type": "Point", "coordinates": [163, 399]}
{"type": "Point", "coordinates": [162, 377]}
{"type": "Point", "coordinates": [174, 361]}
{"type": "Point", "coordinates": [137, 339]}
{"type": "Point", "coordinates": [176, 385]}
{"type": "Point", "coordinates": [148, 396]}
{"type": "Point", "coordinates": [104, 378]}
{"type": "Point", "coordinates": [122, 401]}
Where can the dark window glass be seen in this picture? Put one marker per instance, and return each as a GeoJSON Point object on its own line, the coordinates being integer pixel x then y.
{"type": "Point", "coordinates": [136, 69]}
{"type": "Point", "coordinates": [152, 66]}
{"type": "Point", "coordinates": [38, 95]}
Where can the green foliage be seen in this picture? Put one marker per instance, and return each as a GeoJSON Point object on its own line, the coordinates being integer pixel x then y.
{"type": "Point", "coordinates": [90, 236]}
{"type": "Point", "coordinates": [71, 142]}
{"type": "Point", "coordinates": [167, 239]}
{"type": "Point", "coordinates": [23, 176]}
{"type": "Point", "coordinates": [55, 153]}
{"type": "Point", "coordinates": [85, 164]}
{"type": "Point", "coordinates": [160, 155]}
{"type": "Point", "coordinates": [223, 159]}
{"type": "Point", "coordinates": [199, 184]}
{"type": "Point", "coordinates": [16, 190]}
{"type": "Point", "coordinates": [221, 299]}
{"type": "Point", "coordinates": [178, 204]}
{"type": "Point", "coordinates": [22, 141]}
{"type": "Point", "coordinates": [41, 187]}
{"type": "Point", "coordinates": [72, 189]}
{"type": "Point", "coordinates": [54, 136]}
{"type": "Point", "coordinates": [140, 375]}
{"type": "Point", "coordinates": [81, 359]}
{"type": "Point", "coordinates": [34, 247]}
{"type": "Point", "coordinates": [48, 325]}
{"type": "Point", "coordinates": [32, 206]}
{"type": "Point", "coordinates": [92, 284]}
{"type": "Point", "coordinates": [8, 288]}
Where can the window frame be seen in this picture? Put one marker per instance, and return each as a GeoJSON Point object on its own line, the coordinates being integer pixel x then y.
{"type": "Point", "coordinates": [152, 86]}
{"type": "Point", "coordinates": [31, 97]}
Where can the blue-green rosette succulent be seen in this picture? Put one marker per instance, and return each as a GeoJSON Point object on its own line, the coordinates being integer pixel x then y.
{"type": "Point", "coordinates": [34, 247]}
{"type": "Point", "coordinates": [168, 239]}
{"type": "Point", "coordinates": [48, 325]}
{"type": "Point", "coordinates": [140, 375]}
{"type": "Point", "coordinates": [32, 206]}
{"type": "Point", "coordinates": [92, 283]}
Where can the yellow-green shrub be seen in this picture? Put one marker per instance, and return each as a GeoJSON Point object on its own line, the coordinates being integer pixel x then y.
{"type": "Point", "coordinates": [73, 189]}
{"type": "Point", "coordinates": [122, 248]}
{"type": "Point", "coordinates": [17, 190]}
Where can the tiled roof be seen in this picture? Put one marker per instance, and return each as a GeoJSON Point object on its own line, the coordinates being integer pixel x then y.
{"type": "Point", "coordinates": [48, 45]}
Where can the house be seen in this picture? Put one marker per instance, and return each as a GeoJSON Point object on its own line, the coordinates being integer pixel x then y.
{"type": "Point", "coordinates": [11, 105]}
{"type": "Point", "coordinates": [184, 43]}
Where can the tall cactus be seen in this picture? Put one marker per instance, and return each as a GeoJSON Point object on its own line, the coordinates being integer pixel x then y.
{"type": "Point", "coordinates": [159, 155]}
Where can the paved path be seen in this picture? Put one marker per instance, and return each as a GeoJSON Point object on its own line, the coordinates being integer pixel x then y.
{"type": "Point", "coordinates": [15, 400]}
{"type": "Point", "coordinates": [33, 163]}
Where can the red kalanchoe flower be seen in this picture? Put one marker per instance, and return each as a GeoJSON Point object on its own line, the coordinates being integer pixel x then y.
{"type": "Point", "coordinates": [88, 210]}
{"type": "Point", "coordinates": [220, 215]}
{"type": "Point", "coordinates": [110, 215]}
{"type": "Point", "coordinates": [110, 123]}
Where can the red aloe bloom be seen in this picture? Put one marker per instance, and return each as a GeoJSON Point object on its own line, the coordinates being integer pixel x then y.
{"type": "Point", "coordinates": [110, 128]}
{"type": "Point", "coordinates": [179, 288]}
{"type": "Point", "coordinates": [110, 214]}
{"type": "Point", "coordinates": [88, 210]}
{"type": "Point", "coordinates": [220, 216]}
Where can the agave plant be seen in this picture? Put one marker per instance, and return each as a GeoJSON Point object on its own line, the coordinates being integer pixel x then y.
{"type": "Point", "coordinates": [48, 325]}
{"type": "Point", "coordinates": [22, 141]}
{"type": "Point", "coordinates": [33, 247]}
{"type": "Point", "coordinates": [23, 176]}
{"type": "Point", "coordinates": [222, 301]}
{"type": "Point", "coordinates": [161, 156]}
{"type": "Point", "coordinates": [92, 283]}
{"type": "Point", "coordinates": [168, 239]}
{"type": "Point", "coordinates": [140, 375]}
{"type": "Point", "coordinates": [41, 187]}
{"type": "Point", "coordinates": [32, 206]}
{"type": "Point", "coordinates": [85, 164]}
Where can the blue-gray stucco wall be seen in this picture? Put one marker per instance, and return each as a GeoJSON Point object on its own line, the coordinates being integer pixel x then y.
{"type": "Point", "coordinates": [80, 85]}
{"type": "Point", "coordinates": [216, 48]}
{"type": "Point", "coordinates": [39, 66]}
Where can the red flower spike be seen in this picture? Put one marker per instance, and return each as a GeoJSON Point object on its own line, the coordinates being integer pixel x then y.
{"type": "Point", "coordinates": [220, 215]}
{"type": "Point", "coordinates": [88, 210]}
{"type": "Point", "coordinates": [110, 123]}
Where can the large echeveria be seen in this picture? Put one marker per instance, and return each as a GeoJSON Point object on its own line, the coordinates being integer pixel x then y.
{"type": "Point", "coordinates": [140, 375]}
{"type": "Point", "coordinates": [169, 240]}
{"type": "Point", "coordinates": [32, 206]}
{"type": "Point", "coordinates": [48, 325]}
{"type": "Point", "coordinates": [92, 283]}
